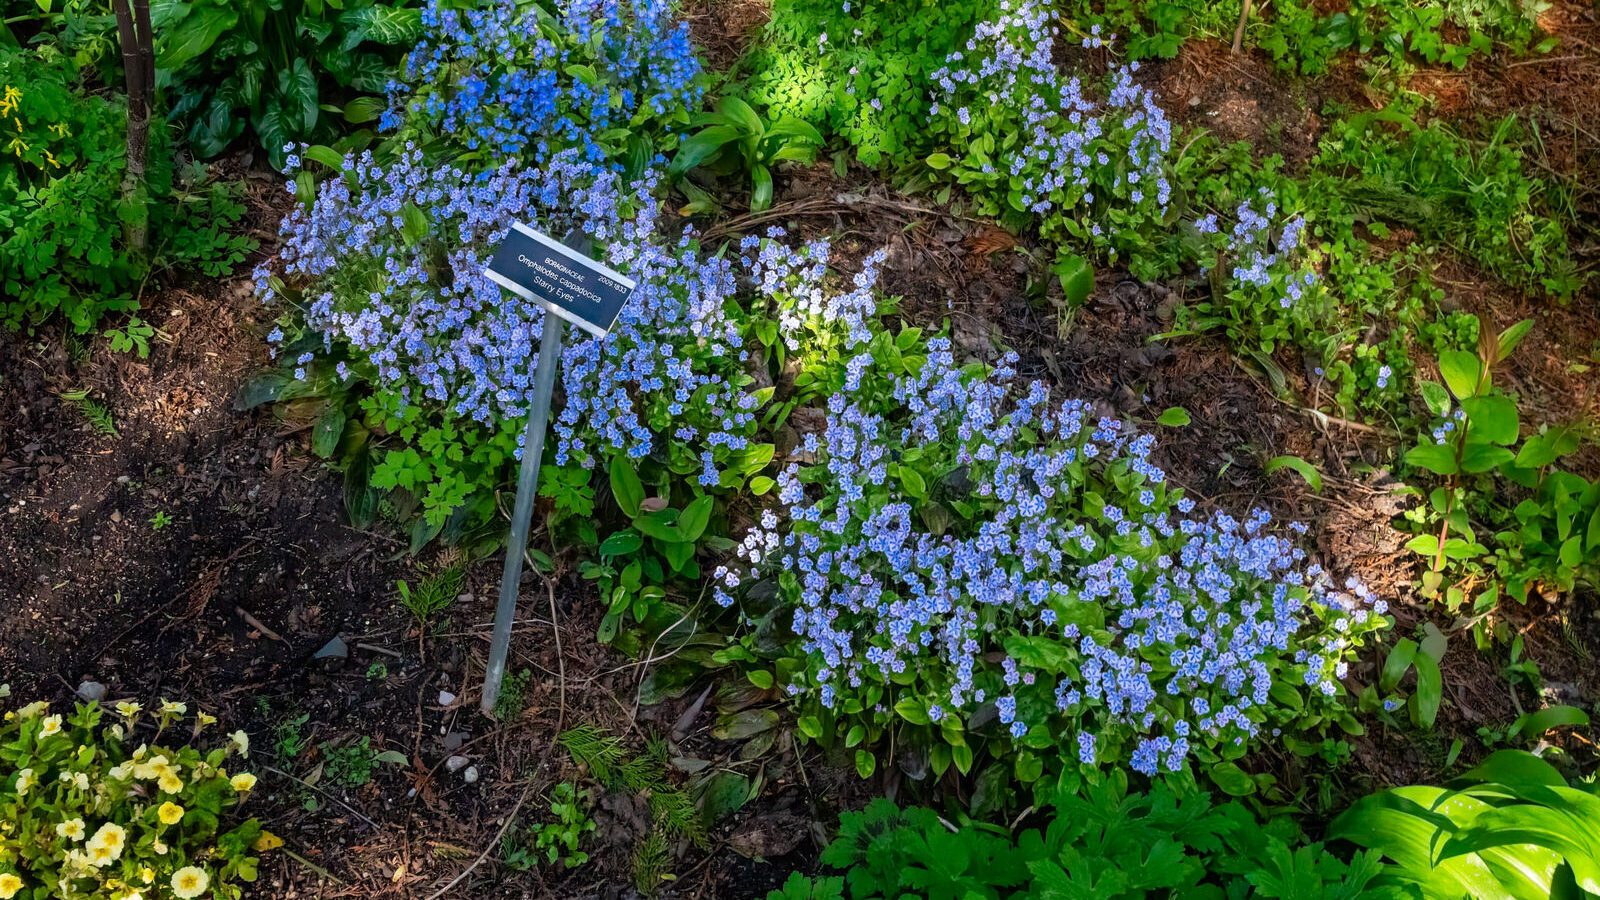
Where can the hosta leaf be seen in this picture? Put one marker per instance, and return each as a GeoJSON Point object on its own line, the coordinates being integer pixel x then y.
{"type": "Point", "coordinates": [193, 35]}
{"type": "Point", "coordinates": [380, 24]}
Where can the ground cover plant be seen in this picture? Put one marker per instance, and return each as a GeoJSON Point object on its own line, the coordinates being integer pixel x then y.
{"type": "Point", "coordinates": [1148, 512]}
{"type": "Point", "coordinates": [96, 804]}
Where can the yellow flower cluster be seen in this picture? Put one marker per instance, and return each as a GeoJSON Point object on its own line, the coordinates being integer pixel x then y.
{"type": "Point", "coordinates": [10, 105]}
{"type": "Point", "coordinates": [138, 847]}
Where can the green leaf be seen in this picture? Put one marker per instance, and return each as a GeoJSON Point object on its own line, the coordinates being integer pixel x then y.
{"type": "Point", "coordinates": [194, 35]}
{"type": "Point", "coordinates": [701, 146]}
{"type": "Point", "coordinates": [1174, 417]}
{"type": "Point", "coordinates": [1492, 419]}
{"type": "Point", "coordinates": [912, 481]}
{"type": "Point", "coordinates": [1424, 704]}
{"type": "Point", "coordinates": [1233, 780]}
{"type": "Point", "coordinates": [1076, 276]}
{"type": "Point", "coordinates": [1396, 664]}
{"type": "Point", "coordinates": [1479, 458]}
{"type": "Point", "coordinates": [696, 516]}
{"type": "Point", "coordinates": [1532, 725]}
{"type": "Point", "coordinates": [912, 711]}
{"type": "Point", "coordinates": [326, 433]}
{"type": "Point", "coordinates": [264, 388]}
{"type": "Point", "coordinates": [745, 723]}
{"type": "Point", "coordinates": [1440, 459]}
{"type": "Point", "coordinates": [760, 485]}
{"type": "Point", "coordinates": [621, 543]}
{"type": "Point", "coordinates": [1436, 398]}
{"type": "Point", "coordinates": [381, 25]}
{"type": "Point", "coordinates": [761, 678]}
{"type": "Point", "coordinates": [866, 763]}
{"type": "Point", "coordinates": [626, 487]}
{"type": "Point", "coordinates": [940, 161]}
{"type": "Point", "coordinates": [761, 193]}
{"type": "Point", "coordinates": [362, 110]}
{"type": "Point", "coordinates": [1511, 337]}
{"type": "Point", "coordinates": [722, 795]}
{"type": "Point", "coordinates": [1544, 448]}
{"type": "Point", "coordinates": [326, 155]}
{"type": "Point", "coordinates": [1461, 371]}
{"type": "Point", "coordinates": [413, 223]}
{"type": "Point", "coordinates": [1306, 470]}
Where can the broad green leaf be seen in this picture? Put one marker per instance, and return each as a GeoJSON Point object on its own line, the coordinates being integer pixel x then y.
{"type": "Point", "coordinates": [1396, 664]}
{"type": "Point", "coordinates": [696, 516]}
{"type": "Point", "coordinates": [194, 34]}
{"type": "Point", "coordinates": [621, 543]}
{"type": "Point", "coordinates": [1174, 417]}
{"type": "Point", "coordinates": [940, 161]}
{"type": "Point", "coordinates": [626, 487]}
{"type": "Point", "coordinates": [1535, 724]}
{"type": "Point", "coordinates": [1076, 276]}
{"type": "Point", "coordinates": [326, 433]}
{"type": "Point", "coordinates": [761, 193]}
{"type": "Point", "coordinates": [1232, 779]}
{"type": "Point", "coordinates": [1461, 371]}
{"type": "Point", "coordinates": [1424, 704]}
{"type": "Point", "coordinates": [1511, 337]}
{"type": "Point", "coordinates": [1305, 470]}
{"type": "Point", "coordinates": [380, 24]}
{"type": "Point", "coordinates": [866, 763]}
{"type": "Point", "coordinates": [701, 146]}
{"type": "Point", "coordinates": [1491, 419]}
{"type": "Point", "coordinates": [1440, 459]}
{"type": "Point", "coordinates": [912, 711]}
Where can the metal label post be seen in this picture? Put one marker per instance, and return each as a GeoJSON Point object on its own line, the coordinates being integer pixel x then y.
{"type": "Point", "coordinates": [575, 288]}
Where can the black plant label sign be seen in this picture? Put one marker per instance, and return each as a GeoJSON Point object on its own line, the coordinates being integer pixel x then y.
{"type": "Point", "coordinates": [585, 292]}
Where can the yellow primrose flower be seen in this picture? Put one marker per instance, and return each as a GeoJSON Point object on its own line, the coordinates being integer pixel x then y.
{"type": "Point", "coordinates": [241, 742]}
{"type": "Point", "coordinates": [147, 875]}
{"type": "Point", "coordinates": [128, 709]}
{"type": "Point", "coordinates": [100, 857]}
{"type": "Point", "coordinates": [35, 708]}
{"type": "Point", "coordinates": [72, 829]}
{"type": "Point", "coordinates": [151, 769]}
{"type": "Point", "coordinates": [52, 726]}
{"type": "Point", "coordinates": [170, 813]}
{"type": "Point", "coordinates": [242, 782]}
{"type": "Point", "coordinates": [117, 732]}
{"type": "Point", "coordinates": [9, 885]}
{"type": "Point", "coordinates": [171, 708]}
{"type": "Point", "coordinates": [205, 719]}
{"type": "Point", "coordinates": [120, 771]}
{"type": "Point", "coordinates": [25, 780]}
{"type": "Point", "coordinates": [159, 848]}
{"type": "Point", "coordinates": [110, 836]}
{"type": "Point", "coordinates": [189, 882]}
{"type": "Point", "coordinates": [170, 783]}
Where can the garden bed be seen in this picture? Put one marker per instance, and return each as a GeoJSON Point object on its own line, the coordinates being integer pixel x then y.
{"type": "Point", "coordinates": [161, 542]}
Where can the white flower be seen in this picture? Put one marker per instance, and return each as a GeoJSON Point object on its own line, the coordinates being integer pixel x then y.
{"type": "Point", "coordinates": [189, 882]}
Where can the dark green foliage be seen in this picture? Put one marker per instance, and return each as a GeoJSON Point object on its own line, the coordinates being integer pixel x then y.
{"type": "Point", "coordinates": [881, 50]}
{"type": "Point", "coordinates": [1108, 843]}
{"type": "Point", "coordinates": [288, 70]}
{"type": "Point", "coordinates": [1304, 36]}
{"type": "Point", "coordinates": [1495, 512]}
{"type": "Point", "coordinates": [1478, 199]}
{"type": "Point", "coordinates": [62, 248]}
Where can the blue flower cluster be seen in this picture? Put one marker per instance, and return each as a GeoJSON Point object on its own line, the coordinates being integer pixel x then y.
{"type": "Point", "coordinates": [424, 323]}
{"type": "Point", "coordinates": [1263, 252]}
{"type": "Point", "coordinates": [515, 80]}
{"type": "Point", "coordinates": [1061, 587]}
{"type": "Point", "coordinates": [1057, 145]}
